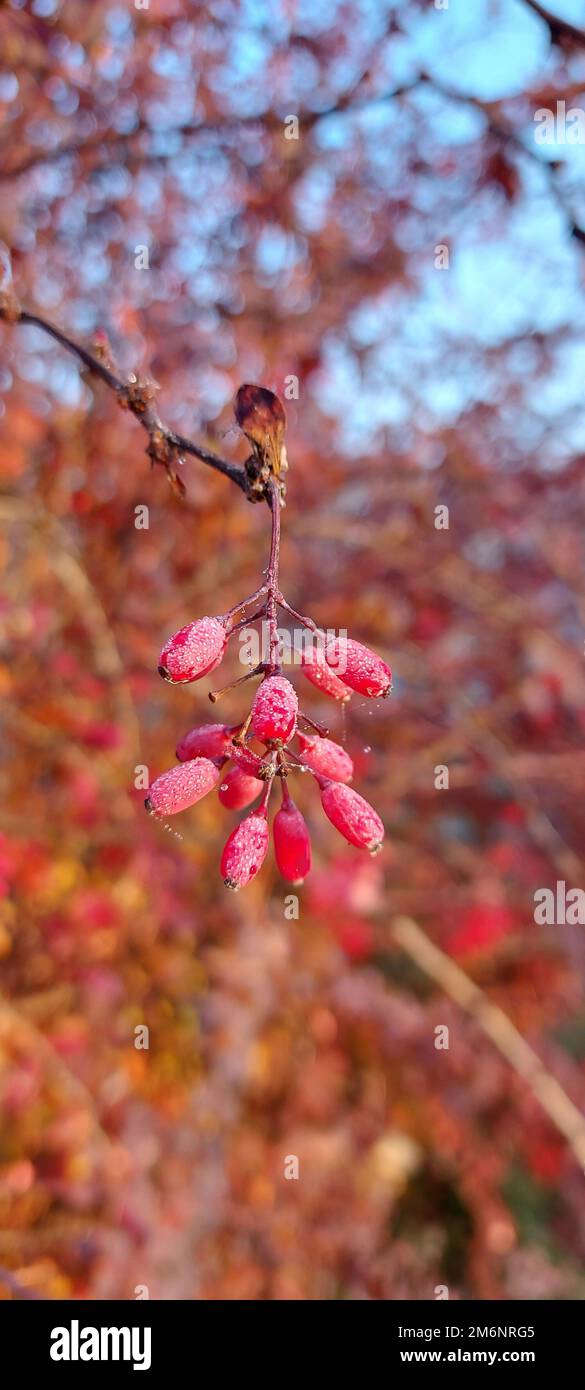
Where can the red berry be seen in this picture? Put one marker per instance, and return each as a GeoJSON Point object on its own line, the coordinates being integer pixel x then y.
{"type": "Point", "coordinates": [181, 786]}
{"type": "Point", "coordinates": [245, 759]}
{"type": "Point", "coordinates": [315, 668]}
{"type": "Point", "coordinates": [245, 850]}
{"type": "Point", "coordinates": [292, 846]}
{"type": "Point", "coordinates": [324, 756]}
{"type": "Point", "coordinates": [193, 651]}
{"type": "Point", "coordinates": [352, 815]}
{"type": "Point", "coordinates": [358, 667]}
{"type": "Point", "coordinates": [274, 710]}
{"type": "Point", "coordinates": [205, 741]}
{"type": "Point", "coordinates": [238, 789]}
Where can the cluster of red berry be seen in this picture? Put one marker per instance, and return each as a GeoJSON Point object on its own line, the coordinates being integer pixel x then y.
{"type": "Point", "coordinates": [203, 753]}
{"type": "Point", "coordinates": [335, 664]}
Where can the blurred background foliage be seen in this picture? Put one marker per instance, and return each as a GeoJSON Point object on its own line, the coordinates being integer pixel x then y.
{"type": "Point", "coordinates": [164, 127]}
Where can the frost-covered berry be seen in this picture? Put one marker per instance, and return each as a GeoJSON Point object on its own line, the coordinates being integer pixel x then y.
{"type": "Point", "coordinates": [193, 651]}
{"type": "Point", "coordinates": [245, 850]}
{"type": "Point", "coordinates": [206, 741]}
{"type": "Point", "coordinates": [352, 815]}
{"type": "Point", "coordinates": [181, 786]}
{"type": "Point", "coordinates": [292, 846]}
{"type": "Point", "coordinates": [274, 710]}
{"type": "Point", "coordinates": [238, 789]}
{"type": "Point", "coordinates": [363, 670]}
{"type": "Point", "coordinates": [327, 757]}
{"type": "Point", "coordinates": [246, 759]}
{"type": "Point", "coordinates": [315, 668]}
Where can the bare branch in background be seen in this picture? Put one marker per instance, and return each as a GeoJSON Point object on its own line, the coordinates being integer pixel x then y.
{"type": "Point", "coordinates": [165, 446]}
{"type": "Point", "coordinates": [498, 1028]}
{"type": "Point", "coordinates": [561, 30]}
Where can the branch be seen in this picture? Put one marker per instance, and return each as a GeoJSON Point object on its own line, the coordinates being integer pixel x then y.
{"type": "Point", "coordinates": [550, 1095]}
{"type": "Point", "coordinates": [109, 140]}
{"type": "Point", "coordinates": [270, 121]}
{"type": "Point", "coordinates": [123, 142]}
{"type": "Point", "coordinates": [560, 30]}
{"type": "Point", "coordinates": [507, 136]}
{"type": "Point", "coordinates": [165, 447]}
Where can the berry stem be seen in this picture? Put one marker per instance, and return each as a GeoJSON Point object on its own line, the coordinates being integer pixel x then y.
{"type": "Point", "coordinates": [273, 665]}
{"type": "Point", "coordinates": [286, 796]}
{"type": "Point", "coordinates": [293, 760]}
{"type": "Point", "coordinates": [215, 695]}
{"type": "Point", "coordinates": [250, 618]}
{"type": "Point", "coordinates": [306, 622]}
{"type": "Point", "coordinates": [262, 809]}
{"type": "Point", "coordinates": [319, 728]}
{"type": "Point", "coordinates": [240, 737]}
{"type": "Point", "coordinates": [244, 603]}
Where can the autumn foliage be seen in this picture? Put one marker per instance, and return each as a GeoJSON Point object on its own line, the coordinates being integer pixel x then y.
{"type": "Point", "coordinates": [434, 511]}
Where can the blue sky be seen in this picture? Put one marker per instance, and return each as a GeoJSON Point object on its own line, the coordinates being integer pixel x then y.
{"type": "Point", "coordinates": [519, 274]}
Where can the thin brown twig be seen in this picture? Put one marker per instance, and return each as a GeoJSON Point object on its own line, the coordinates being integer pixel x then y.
{"type": "Point", "coordinates": [108, 140]}
{"type": "Point", "coordinates": [505, 135]}
{"type": "Point", "coordinates": [561, 1111]}
{"type": "Point", "coordinates": [103, 144]}
{"type": "Point", "coordinates": [272, 577]}
{"type": "Point", "coordinates": [502, 131]}
{"type": "Point", "coordinates": [559, 29]}
{"type": "Point", "coordinates": [165, 446]}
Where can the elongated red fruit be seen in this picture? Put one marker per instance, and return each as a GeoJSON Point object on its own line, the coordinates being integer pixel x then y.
{"type": "Point", "coordinates": [274, 710]}
{"type": "Point", "coordinates": [352, 815]}
{"type": "Point", "coordinates": [238, 789]}
{"type": "Point", "coordinates": [315, 668]}
{"type": "Point", "coordinates": [193, 651]}
{"type": "Point", "coordinates": [181, 786]}
{"type": "Point", "coordinates": [327, 757]}
{"type": "Point", "coordinates": [246, 759]}
{"type": "Point", "coordinates": [205, 741]}
{"type": "Point", "coordinates": [361, 669]}
{"type": "Point", "coordinates": [292, 846]}
{"type": "Point", "coordinates": [245, 851]}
